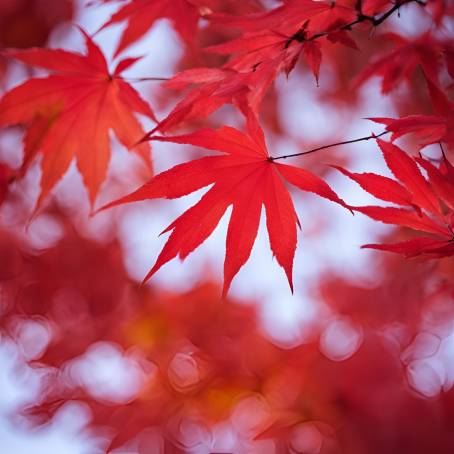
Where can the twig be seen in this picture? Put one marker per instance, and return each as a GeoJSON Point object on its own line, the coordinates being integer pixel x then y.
{"type": "Point", "coordinates": [313, 150]}
{"type": "Point", "coordinates": [300, 36]}
{"type": "Point", "coordinates": [145, 79]}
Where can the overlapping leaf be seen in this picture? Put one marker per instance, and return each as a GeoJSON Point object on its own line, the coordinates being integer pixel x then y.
{"type": "Point", "coordinates": [428, 202]}
{"type": "Point", "coordinates": [215, 87]}
{"type": "Point", "coordinates": [245, 178]}
{"type": "Point", "coordinates": [427, 129]}
{"type": "Point", "coordinates": [69, 113]}
{"type": "Point", "coordinates": [406, 57]}
{"type": "Point", "coordinates": [272, 43]}
{"type": "Point", "coordinates": [140, 15]}
{"type": "Point", "coordinates": [291, 16]}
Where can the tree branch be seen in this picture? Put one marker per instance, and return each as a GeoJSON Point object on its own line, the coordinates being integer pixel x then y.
{"type": "Point", "coordinates": [313, 150]}
{"type": "Point", "coordinates": [375, 21]}
{"type": "Point", "coordinates": [145, 79]}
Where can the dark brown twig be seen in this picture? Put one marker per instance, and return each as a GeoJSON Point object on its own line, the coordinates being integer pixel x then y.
{"type": "Point", "coordinates": [146, 79]}
{"type": "Point", "coordinates": [375, 21]}
{"type": "Point", "coordinates": [313, 150]}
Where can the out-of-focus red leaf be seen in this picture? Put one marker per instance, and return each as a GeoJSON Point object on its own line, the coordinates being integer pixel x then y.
{"type": "Point", "coordinates": [71, 112]}
{"type": "Point", "coordinates": [427, 128]}
{"type": "Point", "coordinates": [140, 15]}
{"type": "Point", "coordinates": [27, 23]}
{"type": "Point", "coordinates": [400, 64]}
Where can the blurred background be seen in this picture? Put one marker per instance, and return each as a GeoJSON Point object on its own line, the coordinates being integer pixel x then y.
{"type": "Point", "coordinates": [358, 359]}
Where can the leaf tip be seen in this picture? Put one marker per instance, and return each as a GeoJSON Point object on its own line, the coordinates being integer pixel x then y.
{"type": "Point", "coordinates": [148, 276]}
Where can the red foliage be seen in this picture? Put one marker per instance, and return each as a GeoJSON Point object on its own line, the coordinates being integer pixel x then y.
{"type": "Point", "coordinates": [246, 179]}
{"type": "Point", "coordinates": [431, 201]}
{"type": "Point", "coordinates": [202, 361]}
{"type": "Point", "coordinates": [186, 371]}
{"type": "Point", "coordinates": [27, 23]}
{"type": "Point", "coordinates": [82, 96]}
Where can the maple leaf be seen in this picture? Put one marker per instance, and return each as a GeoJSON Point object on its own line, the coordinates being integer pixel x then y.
{"type": "Point", "coordinates": [428, 129]}
{"type": "Point", "coordinates": [257, 58]}
{"type": "Point", "coordinates": [400, 64]}
{"type": "Point", "coordinates": [431, 201]}
{"type": "Point", "coordinates": [70, 113]}
{"type": "Point", "coordinates": [290, 17]}
{"type": "Point", "coordinates": [256, 50]}
{"type": "Point", "coordinates": [214, 88]}
{"type": "Point", "coordinates": [373, 7]}
{"type": "Point", "coordinates": [246, 179]}
{"type": "Point", "coordinates": [141, 15]}
{"type": "Point", "coordinates": [288, 33]}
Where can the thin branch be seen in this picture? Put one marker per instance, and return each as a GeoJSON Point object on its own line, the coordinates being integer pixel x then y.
{"type": "Point", "coordinates": [313, 150]}
{"type": "Point", "coordinates": [146, 79]}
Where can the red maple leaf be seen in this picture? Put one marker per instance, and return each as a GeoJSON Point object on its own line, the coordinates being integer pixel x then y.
{"type": "Point", "coordinates": [292, 16]}
{"type": "Point", "coordinates": [69, 113]}
{"type": "Point", "coordinates": [283, 34]}
{"type": "Point", "coordinates": [427, 129]}
{"type": "Point", "coordinates": [431, 201]}
{"type": "Point", "coordinates": [247, 179]}
{"type": "Point", "coordinates": [373, 7]}
{"type": "Point", "coordinates": [266, 48]}
{"type": "Point", "coordinates": [257, 57]}
{"type": "Point", "coordinates": [400, 64]}
{"type": "Point", "coordinates": [141, 15]}
{"type": "Point", "coordinates": [214, 88]}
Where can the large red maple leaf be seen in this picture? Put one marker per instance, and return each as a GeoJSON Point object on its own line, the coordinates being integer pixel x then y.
{"type": "Point", "coordinates": [70, 113]}
{"type": "Point", "coordinates": [246, 178]}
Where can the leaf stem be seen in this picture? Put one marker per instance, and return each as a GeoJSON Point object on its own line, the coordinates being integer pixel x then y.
{"type": "Point", "coordinates": [313, 150]}
{"type": "Point", "coordinates": [146, 79]}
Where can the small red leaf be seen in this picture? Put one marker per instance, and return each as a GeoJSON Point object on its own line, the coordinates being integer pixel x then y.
{"type": "Point", "coordinates": [416, 246]}
{"type": "Point", "coordinates": [313, 56]}
{"type": "Point", "coordinates": [404, 218]}
{"type": "Point", "coordinates": [381, 187]}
